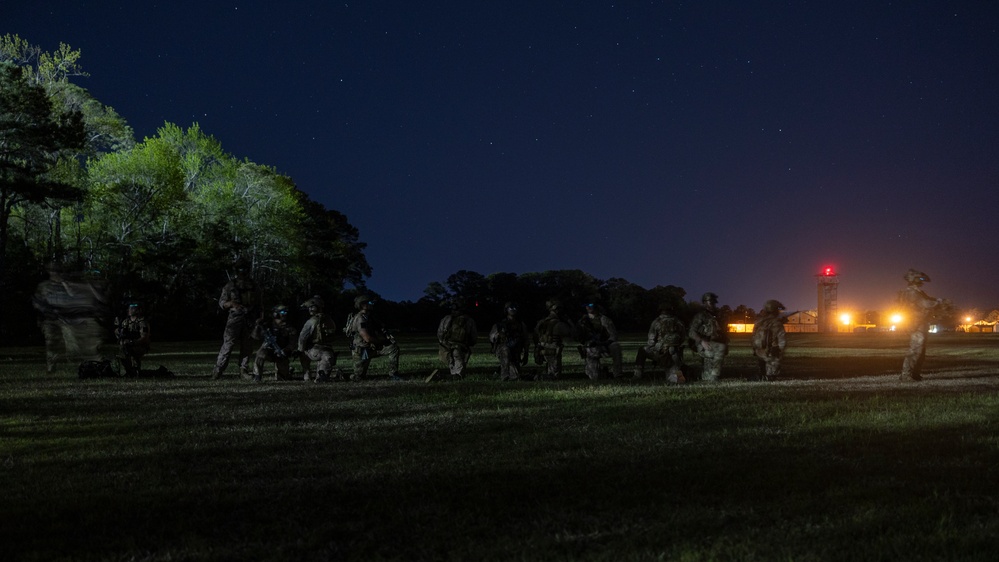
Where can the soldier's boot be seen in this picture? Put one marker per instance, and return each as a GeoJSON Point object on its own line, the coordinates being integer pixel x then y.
{"type": "Point", "coordinates": [245, 374]}
{"type": "Point", "coordinates": [639, 373]}
{"type": "Point", "coordinates": [321, 376]}
{"type": "Point", "coordinates": [306, 377]}
{"type": "Point", "coordinates": [910, 377]}
{"type": "Point", "coordinates": [216, 374]}
{"type": "Point", "coordinates": [395, 377]}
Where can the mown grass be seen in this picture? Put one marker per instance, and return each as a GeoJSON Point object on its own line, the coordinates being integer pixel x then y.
{"type": "Point", "coordinates": [839, 462]}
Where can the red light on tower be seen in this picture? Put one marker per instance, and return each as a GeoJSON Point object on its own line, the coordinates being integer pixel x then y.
{"type": "Point", "coordinates": [827, 271]}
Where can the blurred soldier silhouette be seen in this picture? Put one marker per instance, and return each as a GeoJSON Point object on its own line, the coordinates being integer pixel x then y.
{"type": "Point", "coordinates": [709, 338]}
{"type": "Point", "coordinates": [665, 346]}
{"type": "Point", "coordinates": [133, 335]}
{"type": "Point", "coordinates": [315, 342]}
{"type": "Point", "coordinates": [549, 335]}
{"type": "Point", "coordinates": [70, 318]}
{"type": "Point", "coordinates": [239, 298]}
{"type": "Point", "coordinates": [598, 338]}
{"type": "Point", "coordinates": [920, 309]}
{"type": "Point", "coordinates": [510, 340]}
{"type": "Point", "coordinates": [456, 335]}
{"type": "Point", "coordinates": [769, 341]}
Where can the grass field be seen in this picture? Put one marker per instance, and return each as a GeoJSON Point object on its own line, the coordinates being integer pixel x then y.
{"type": "Point", "coordinates": [839, 462]}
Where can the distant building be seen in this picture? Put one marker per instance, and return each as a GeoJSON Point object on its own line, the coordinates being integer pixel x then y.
{"type": "Point", "coordinates": [802, 321]}
{"type": "Point", "coordinates": [981, 326]}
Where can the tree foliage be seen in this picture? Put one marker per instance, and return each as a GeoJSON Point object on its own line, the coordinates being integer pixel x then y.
{"type": "Point", "coordinates": [165, 220]}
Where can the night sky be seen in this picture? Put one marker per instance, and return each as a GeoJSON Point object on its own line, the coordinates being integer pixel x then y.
{"type": "Point", "coordinates": [733, 147]}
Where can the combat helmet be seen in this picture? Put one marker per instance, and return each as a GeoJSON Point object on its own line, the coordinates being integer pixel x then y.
{"type": "Point", "coordinates": [281, 311]}
{"type": "Point", "coordinates": [709, 297]}
{"type": "Point", "coordinates": [315, 301]}
{"type": "Point", "coordinates": [553, 304]}
{"type": "Point", "coordinates": [773, 306]}
{"type": "Point", "coordinates": [360, 300]}
{"type": "Point", "coordinates": [916, 276]}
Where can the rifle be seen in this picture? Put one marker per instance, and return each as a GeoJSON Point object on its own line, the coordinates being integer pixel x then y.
{"type": "Point", "coordinates": [271, 340]}
{"type": "Point", "coordinates": [387, 335]}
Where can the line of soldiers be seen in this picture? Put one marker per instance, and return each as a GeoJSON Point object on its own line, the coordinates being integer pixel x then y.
{"type": "Point", "coordinates": [597, 339]}
{"type": "Point", "coordinates": [312, 345]}
{"type": "Point", "coordinates": [667, 336]}
{"type": "Point", "coordinates": [69, 309]}
{"type": "Point", "coordinates": [510, 339]}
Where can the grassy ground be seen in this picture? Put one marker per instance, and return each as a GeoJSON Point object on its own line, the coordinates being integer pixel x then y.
{"type": "Point", "coordinates": [840, 462]}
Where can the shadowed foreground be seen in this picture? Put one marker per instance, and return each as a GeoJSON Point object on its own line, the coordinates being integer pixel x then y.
{"type": "Point", "coordinates": [836, 464]}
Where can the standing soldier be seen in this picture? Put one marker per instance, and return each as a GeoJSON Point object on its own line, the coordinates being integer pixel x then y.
{"type": "Point", "coordinates": [769, 341]}
{"type": "Point", "coordinates": [920, 307]}
{"type": "Point", "coordinates": [239, 299]}
{"type": "Point", "coordinates": [665, 346]}
{"type": "Point", "coordinates": [549, 334]}
{"type": "Point", "coordinates": [510, 340]}
{"type": "Point", "coordinates": [133, 339]}
{"type": "Point", "coordinates": [456, 335]}
{"type": "Point", "coordinates": [315, 342]}
{"type": "Point", "coordinates": [710, 339]}
{"type": "Point", "coordinates": [279, 343]}
{"type": "Point", "coordinates": [599, 338]}
{"type": "Point", "coordinates": [369, 339]}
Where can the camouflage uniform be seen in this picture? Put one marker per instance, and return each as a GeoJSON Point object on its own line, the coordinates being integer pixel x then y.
{"type": "Point", "coordinates": [315, 342]}
{"type": "Point", "coordinates": [133, 338]}
{"type": "Point", "coordinates": [710, 339]}
{"type": "Point", "coordinates": [456, 335]}
{"type": "Point", "coordinates": [664, 347]}
{"type": "Point", "coordinates": [238, 297]}
{"type": "Point", "coordinates": [280, 351]}
{"type": "Point", "coordinates": [510, 340]}
{"type": "Point", "coordinates": [599, 337]}
{"type": "Point", "coordinates": [369, 340]}
{"type": "Point", "coordinates": [769, 341]}
{"type": "Point", "coordinates": [549, 334]}
{"type": "Point", "coordinates": [920, 307]}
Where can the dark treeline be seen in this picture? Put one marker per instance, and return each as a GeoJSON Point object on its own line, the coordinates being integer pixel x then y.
{"type": "Point", "coordinates": [630, 306]}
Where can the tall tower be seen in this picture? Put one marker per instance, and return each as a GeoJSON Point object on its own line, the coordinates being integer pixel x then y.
{"type": "Point", "coordinates": [828, 299]}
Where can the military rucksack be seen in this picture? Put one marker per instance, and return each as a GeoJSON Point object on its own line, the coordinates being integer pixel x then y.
{"type": "Point", "coordinates": [456, 331]}
{"type": "Point", "coordinates": [348, 328]}
{"type": "Point", "coordinates": [670, 332]}
{"type": "Point", "coordinates": [96, 370]}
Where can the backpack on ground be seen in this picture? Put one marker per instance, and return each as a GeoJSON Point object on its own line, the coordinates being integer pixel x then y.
{"type": "Point", "coordinates": [96, 370]}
